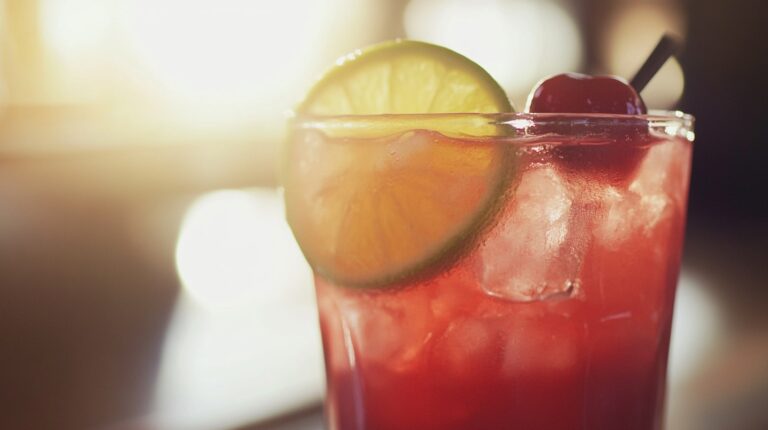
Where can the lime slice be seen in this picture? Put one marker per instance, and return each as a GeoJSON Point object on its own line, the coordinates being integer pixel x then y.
{"type": "Point", "coordinates": [373, 211]}
{"type": "Point", "coordinates": [405, 76]}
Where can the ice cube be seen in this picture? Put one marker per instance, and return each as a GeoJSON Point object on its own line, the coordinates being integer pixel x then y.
{"type": "Point", "coordinates": [650, 197]}
{"type": "Point", "coordinates": [541, 344]}
{"type": "Point", "coordinates": [389, 329]}
{"type": "Point", "coordinates": [665, 171]}
{"type": "Point", "coordinates": [626, 213]}
{"type": "Point", "coordinates": [467, 350]}
{"type": "Point", "coordinates": [536, 249]}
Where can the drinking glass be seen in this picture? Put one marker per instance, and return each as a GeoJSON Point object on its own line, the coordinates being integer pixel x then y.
{"type": "Point", "coordinates": [552, 312]}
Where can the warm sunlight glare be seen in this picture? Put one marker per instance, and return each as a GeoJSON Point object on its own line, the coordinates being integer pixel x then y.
{"type": "Point", "coordinates": [75, 30]}
{"type": "Point", "coordinates": [241, 55]}
{"type": "Point", "coordinates": [79, 37]}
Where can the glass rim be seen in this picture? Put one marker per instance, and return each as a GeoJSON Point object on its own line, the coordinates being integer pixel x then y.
{"type": "Point", "coordinates": [673, 123]}
{"type": "Point", "coordinates": [653, 114]}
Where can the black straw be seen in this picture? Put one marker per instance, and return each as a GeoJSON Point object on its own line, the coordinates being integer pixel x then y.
{"type": "Point", "coordinates": [667, 47]}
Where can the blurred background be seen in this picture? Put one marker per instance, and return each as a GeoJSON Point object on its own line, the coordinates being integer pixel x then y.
{"type": "Point", "coordinates": [147, 278]}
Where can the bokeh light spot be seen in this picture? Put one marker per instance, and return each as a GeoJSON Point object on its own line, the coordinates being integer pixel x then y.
{"type": "Point", "coordinates": [235, 249]}
{"type": "Point", "coordinates": [634, 31]}
{"type": "Point", "coordinates": [518, 42]}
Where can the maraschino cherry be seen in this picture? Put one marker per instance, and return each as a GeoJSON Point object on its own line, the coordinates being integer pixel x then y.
{"type": "Point", "coordinates": [566, 93]}
{"type": "Point", "coordinates": [577, 93]}
{"type": "Point", "coordinates": [572, 93]}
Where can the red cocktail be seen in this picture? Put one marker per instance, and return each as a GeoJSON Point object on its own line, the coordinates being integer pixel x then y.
{"type": "Point", "coordinates": [486, 271]}
{"type": "Point", "coordinates": [557, 316]}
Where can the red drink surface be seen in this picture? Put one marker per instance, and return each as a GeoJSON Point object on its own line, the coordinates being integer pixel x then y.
{"type": "Point", "coordinates": [557, 316]}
